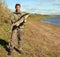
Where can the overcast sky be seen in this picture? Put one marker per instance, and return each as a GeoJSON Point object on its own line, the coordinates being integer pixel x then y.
{"type": "Point", "coordinates": [36, 6]}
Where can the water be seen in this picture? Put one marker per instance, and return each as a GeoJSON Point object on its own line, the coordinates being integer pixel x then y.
{"type": "Point", "coordinates": [53, 20]}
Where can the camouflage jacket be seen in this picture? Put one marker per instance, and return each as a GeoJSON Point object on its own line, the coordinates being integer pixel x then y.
{"type": "Point", "coordinates": [15, 16]}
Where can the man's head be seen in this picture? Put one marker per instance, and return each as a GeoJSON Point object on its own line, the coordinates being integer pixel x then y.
{"type": "Point", "coordinates": [17, 7]}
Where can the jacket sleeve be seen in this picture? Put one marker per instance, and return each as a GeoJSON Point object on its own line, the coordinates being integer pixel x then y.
{"type": "Point", "coordinates": [12, 18]}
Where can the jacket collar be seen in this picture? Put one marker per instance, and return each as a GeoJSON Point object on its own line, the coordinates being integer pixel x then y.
{"type": "Point", "coordinates": [17, 12]}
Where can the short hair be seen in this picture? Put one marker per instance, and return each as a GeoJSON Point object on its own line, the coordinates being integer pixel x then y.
{"type": "Point", "coordinates": [17, 5]}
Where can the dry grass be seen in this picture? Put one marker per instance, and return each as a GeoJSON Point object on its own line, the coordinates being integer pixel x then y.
{"type": "Point", "coordinates": [40, 39]}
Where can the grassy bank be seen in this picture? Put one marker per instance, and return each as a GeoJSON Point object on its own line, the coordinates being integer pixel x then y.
{"type": "Point", "coordinates": [40, 39]}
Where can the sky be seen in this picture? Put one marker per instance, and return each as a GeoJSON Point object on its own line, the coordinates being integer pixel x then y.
{"type": "Point", "coordinates": [51, 7]}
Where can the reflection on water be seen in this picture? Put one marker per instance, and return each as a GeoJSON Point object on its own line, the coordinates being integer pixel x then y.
{"type": "Point", "coordinates": [53, 20]}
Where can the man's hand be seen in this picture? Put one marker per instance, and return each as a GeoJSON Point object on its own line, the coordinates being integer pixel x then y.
{"type": "Point", "coordinates": [13, 24]}
{"type": "Point", "coordinates": [26, 18]}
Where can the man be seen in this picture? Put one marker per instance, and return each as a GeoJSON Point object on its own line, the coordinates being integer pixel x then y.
{"type": "Point", "coordinates": [17, 29]}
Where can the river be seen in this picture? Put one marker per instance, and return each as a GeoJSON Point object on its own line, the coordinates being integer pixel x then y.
{"type": "Point", "coordinates": [52, 20]}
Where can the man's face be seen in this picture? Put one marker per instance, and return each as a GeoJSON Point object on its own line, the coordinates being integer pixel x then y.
{"type": "Point", "coordinates": [17, 8]}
